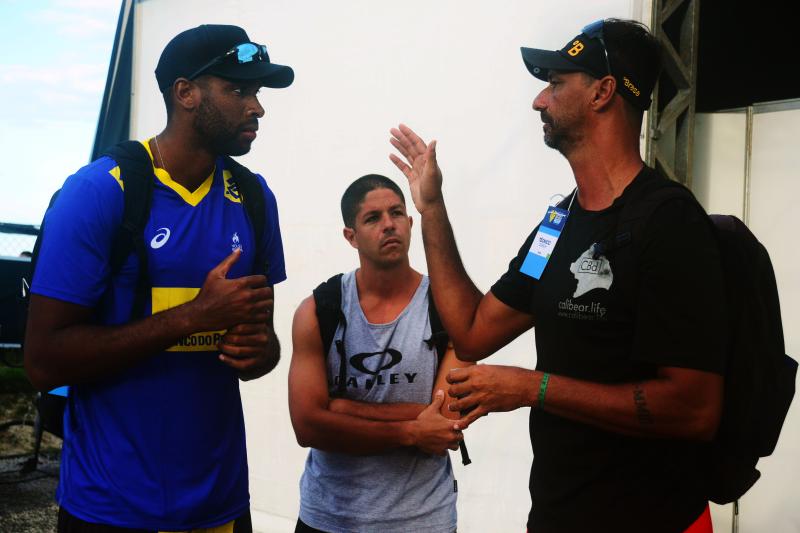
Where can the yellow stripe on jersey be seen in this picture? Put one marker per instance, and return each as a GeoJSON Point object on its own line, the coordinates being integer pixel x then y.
{"type": "Point", "coordinates": [224, 528]}
{"type": "Point", "coordinates": [190, 197]}
{"type": "Point", "coordinates": [231, 190]}
{"type": "Point", "coordinates": [168, 297]}
{"type": "Point", "coordinates": [115, 172]}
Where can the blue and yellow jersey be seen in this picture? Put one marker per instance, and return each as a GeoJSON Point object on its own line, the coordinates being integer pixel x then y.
{"type": "Point", "coordinates": [160, 446]}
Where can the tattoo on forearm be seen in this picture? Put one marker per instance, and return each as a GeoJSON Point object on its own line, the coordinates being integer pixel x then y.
{"type": "Point", "coordinates": [642, 411]}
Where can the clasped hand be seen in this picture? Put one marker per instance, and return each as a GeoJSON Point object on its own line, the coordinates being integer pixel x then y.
{"type": "Point", "coordinates": [434, 433]}
{"type": "Point", "coordinates": [482, 389]}
{"type": "Point", "coordinates": [244, 307]}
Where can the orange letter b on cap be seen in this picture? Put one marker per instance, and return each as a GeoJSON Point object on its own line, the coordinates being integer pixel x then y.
{"type": "Point", "coordinates": [576, 49]}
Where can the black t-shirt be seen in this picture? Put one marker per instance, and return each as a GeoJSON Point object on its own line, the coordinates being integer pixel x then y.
{"type": "Point", "coordinates": [656, 302]}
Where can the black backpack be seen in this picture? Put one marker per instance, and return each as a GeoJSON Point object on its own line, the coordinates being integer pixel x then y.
{"type": "Point", "coordinates": [136, 173]}
{"type": "Point", "coordinates": [759, 376]}
{"type": "Point", "coordinates": [328, 300]}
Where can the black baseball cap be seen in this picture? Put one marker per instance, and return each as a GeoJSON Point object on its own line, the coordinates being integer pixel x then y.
{"type": "Point", "coordinates": [587, 52]}
{"type": "Point", "coordinates": [217, 49]}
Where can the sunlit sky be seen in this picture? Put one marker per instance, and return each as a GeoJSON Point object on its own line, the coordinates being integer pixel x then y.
{"type": "Point", "coordinates": [54, 57]}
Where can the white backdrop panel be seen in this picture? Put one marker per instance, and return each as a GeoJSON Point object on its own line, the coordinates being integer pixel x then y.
{"type": "Point", "coordinates": [720, 147]}
{"type": "Point", "coordinates": [772, 503]}
{"type": "Point", "coordinates": [719, 161]}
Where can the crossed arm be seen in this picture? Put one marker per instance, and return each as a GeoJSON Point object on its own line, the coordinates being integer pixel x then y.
{"type": "Point", "coordinates": [353, 427]}
{"type": "Point", "coordinates": [677, 403]}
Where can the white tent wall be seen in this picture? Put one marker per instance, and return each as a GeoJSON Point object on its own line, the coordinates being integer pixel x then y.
{"type": "Point", "coordinates": [452, 70]}
{"type": "Point", "coordinates": [774, 190]}
{"type": "Point", "coordinates": [721, 146]}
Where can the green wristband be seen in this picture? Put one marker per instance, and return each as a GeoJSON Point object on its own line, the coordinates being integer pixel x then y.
{"type": "Point", "coordinates": [543, 389]}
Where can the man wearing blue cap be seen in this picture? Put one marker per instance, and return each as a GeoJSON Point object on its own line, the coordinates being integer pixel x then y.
{"type": "Point", "coordinates": [628, 384]}
{"type": "Point", "coordinates": [153, 349]}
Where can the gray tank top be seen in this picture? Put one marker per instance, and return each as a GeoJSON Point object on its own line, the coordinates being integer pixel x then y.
{"type": "Point", "coordinates": [400, 490]}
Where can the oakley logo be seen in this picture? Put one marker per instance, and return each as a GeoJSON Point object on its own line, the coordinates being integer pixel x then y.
{"type": "Point", "coordinates": [577, 48]}
{"type": "Point", "coordinates": [630, 86]}
{"type": "Point", "coordinates": [160, 239]}
{"type": "Point", "coordinates": [358, 361]}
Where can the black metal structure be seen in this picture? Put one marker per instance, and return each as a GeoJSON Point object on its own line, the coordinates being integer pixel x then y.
{"type": "Point", "coordinates": [113, 125]}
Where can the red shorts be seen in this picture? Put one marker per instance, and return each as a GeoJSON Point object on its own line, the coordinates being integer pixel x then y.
{"type": "Point", "coordinates": [702, 524]}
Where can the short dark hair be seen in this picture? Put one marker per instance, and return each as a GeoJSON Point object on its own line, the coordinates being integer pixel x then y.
{"type": "Point", "coordinates": [634, 50]}
{"type": "Point", "coordinates": [353, 197]}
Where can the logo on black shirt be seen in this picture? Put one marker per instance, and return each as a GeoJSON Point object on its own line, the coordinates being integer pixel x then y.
{"type": "Point", "coordinates": [591, 273]}
{"type": "Point", "coordinates": [581, 311]}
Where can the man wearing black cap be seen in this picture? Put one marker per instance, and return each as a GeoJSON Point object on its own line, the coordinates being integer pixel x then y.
{"type": "Point", "coordinates": [154, 431]}
{"type": "Point", "coordinates": [628, 380]}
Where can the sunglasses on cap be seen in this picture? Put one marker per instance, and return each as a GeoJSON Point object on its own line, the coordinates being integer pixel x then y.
{"type": "Point", "coordinates": [241, 53]}
{"type": "Point", "coordinates": [595, 31]}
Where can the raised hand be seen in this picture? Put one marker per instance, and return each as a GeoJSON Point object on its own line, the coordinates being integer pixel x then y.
{"type": "Point", "coordinates": [482, 389]}
{"type": "Point", "coordinates": [420, 167]}
{"type": "Point", "coordinates": [434, 433]}
{"type": "Point", "coordinates": [224, 302]}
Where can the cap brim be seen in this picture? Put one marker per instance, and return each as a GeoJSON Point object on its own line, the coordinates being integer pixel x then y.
{"type": "Point", "coordinates": [270, 74]}
{"type": "Point", "coordinates": [540, 62]}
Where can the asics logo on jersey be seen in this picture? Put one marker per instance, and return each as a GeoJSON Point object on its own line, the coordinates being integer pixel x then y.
{"type": "Point", "coordinates": [160, 239]}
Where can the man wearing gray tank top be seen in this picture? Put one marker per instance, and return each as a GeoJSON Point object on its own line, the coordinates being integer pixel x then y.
{"type": "Point", "coordinates": [378, 460]}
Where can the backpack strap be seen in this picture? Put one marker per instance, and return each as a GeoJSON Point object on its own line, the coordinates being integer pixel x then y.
{"type": "Point", "coordinates": [328, 299]}
{"type": "Point", "coordinates": [136, 173]}
{"type": "Point", "coordinates": [626, 239]}
{"type": "Point", "coordinates": [439, 338]}
{"type": "Point", "coordinates": [641, 204]}
{"type": "Point", "coordinates": [37, 245]}
{"type": "Point", "coordinates": [251, 195]}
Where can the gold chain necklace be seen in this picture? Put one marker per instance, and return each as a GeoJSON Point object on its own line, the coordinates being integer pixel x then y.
{"type": "Point", "coordinates": [161, 157]}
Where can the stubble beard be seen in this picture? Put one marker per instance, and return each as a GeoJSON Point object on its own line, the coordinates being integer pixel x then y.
{"type": "Point", "coordinates": [559, 139]}
{"type": "Point", "coordinates": [388, 260]}
{"type": "Point", "coordinates": [560, 136]}
{"type": "Point", "coordinates": [217, 132]}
